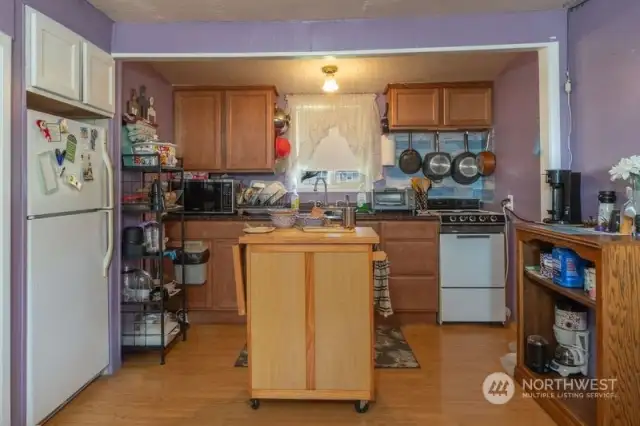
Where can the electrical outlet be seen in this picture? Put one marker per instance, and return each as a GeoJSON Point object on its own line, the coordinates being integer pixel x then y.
{"type": "Point", "coordinates": [510, 202]}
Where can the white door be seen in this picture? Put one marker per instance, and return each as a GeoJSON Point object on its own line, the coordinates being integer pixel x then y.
{"type": "Point", "coordinates": [47, 191]}
{"type": "Point", "coordinates": [472, 260]}
{"type": "Point", "coordinates": [5, 229]}
{"type": "Point", "coordinates": [98, 78]}
{"type": "Point", "coordinates": [67, 309]}
{"type": "Point", "coordinates": [52, 56]}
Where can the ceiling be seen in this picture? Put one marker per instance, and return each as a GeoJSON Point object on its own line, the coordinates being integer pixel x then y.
{"type": "Point", "coordinates": [355, 75]}
{"type": "Point", "coordinates": [304, 10]}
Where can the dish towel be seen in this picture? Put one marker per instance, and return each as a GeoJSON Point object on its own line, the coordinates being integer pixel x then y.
{"type": "Point", "coordinates": [381, 299]}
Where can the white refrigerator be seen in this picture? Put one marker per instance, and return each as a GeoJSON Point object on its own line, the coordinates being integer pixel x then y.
{"type": "Point", "coordinates": [69, 249]}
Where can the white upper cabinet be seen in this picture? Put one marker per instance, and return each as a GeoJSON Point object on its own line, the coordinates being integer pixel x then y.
{"type": "Point", "coordinates": [98, 78]}
{"type": "Point", "coordinates": [53, 56]}
{"type": "Point", "coordinates": [63, 66]}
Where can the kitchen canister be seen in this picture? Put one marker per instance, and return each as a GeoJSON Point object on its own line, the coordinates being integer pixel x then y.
{"type": "Point", "coordinates": [607, 202]}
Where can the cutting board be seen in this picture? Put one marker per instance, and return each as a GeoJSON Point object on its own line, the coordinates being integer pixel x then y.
{"type": "Point", "coordinates": [328, 229]}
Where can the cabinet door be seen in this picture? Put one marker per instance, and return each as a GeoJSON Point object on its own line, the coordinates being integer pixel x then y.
{"type": "Point", "coordinates": [198, 125]}
{"type": "Point", "coordinates": [342, 292]}
{"type": "Point", "coordinates": [467, 107]}
{"type": "Point", "coordinates": [224, 283]}
{"type": "Point", "coordinates": [98, 78]}
{"type": "Point", "coordinates": [52, 56]}
{"type": "Point", "coordinates": [414, 108]}
{"type": "Point", "coordinates": [249, 132]}
{"type": "Point", "coordinates": [278, 341]}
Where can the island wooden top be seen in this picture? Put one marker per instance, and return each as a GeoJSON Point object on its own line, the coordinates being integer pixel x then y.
{"type": "Point", "coordinates": [297, 236]}
{"type": "Point", "coordinates": [575, 234]}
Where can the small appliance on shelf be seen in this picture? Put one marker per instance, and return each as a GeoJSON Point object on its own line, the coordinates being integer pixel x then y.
{"type": "Point", "coordinates": [565, 197]}
{"type": "Point", "coordinates": [570, 330]}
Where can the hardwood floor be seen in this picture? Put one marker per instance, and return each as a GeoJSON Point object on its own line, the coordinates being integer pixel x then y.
{"type": "Point", "coordinates": [199, 386]}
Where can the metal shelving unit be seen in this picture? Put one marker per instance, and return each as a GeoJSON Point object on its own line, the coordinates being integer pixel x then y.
{"type": "Point", "coordinates": [164, 308]}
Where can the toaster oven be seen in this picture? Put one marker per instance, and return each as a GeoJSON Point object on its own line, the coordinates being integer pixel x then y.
{"type": "Point", "coordinates": [392, 199]}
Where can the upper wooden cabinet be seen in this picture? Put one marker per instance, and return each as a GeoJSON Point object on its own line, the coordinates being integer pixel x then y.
{"type": "Point", "coordinates": [198, 128]}
{"type": "Point", "coordinates": [226, 130]}
{"type": "Point", "coordinates": [440, 106]}
{"type": "Point", "coordinates": [62, 66]}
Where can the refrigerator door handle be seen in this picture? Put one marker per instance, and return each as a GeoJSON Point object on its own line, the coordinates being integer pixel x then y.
{"type": "Point", "coordinates": [110, 181]}
{"type": "Point", "coordinates": [109, 254]}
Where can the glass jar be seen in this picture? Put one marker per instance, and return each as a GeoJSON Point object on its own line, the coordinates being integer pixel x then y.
{"type": "Point", "coordinates": [631, 208]}
{"type": "Point", "coordinates": [151, 237]}
{"type": "Point", "coordinates": [607, 202]}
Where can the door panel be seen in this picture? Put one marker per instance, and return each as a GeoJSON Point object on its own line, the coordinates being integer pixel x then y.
{"type": "Point", "coordinates": [277, 344]}
{"type": "Point", "coordinates": [472, 260]}
{"type": "Point", "coordinates": [343, 339]}
{"type": "Point", "coordinates": [250, 136]}
{"type": "Point", "coordinates": [67, 308]}
{"type": "Point", "coordinates": [198, 128]}
{"type": "Point", "coordinates": [98, 83]}
{"type": "Point", "coordinates": [53, 56]}
{"type": "Point", "coordinates": [473, 305]}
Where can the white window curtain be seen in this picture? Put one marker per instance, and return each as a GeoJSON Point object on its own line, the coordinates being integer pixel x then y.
{"type": "Point", "coordinates": [356, 117]}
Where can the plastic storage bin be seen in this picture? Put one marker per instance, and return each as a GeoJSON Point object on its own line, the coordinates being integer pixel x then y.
{"type": "Point", "coordinates": [196, 257]}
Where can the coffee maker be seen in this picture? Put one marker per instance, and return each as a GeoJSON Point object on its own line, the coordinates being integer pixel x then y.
{"type": "Point", "coordinates": [565, 197]}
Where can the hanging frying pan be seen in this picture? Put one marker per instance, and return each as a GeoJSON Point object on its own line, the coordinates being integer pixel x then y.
{"type": "Point", "coordinates": [487, 159]}
{"type": "Point", "coordinates": [465, 166]}
{"type": "Point", "coordinates": [410, 160]}
{"type": "Point", "coordinates": [436, 164]}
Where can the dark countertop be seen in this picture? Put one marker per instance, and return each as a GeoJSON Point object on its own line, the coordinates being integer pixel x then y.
{"type": "Point", "coordinates": [406, 216]}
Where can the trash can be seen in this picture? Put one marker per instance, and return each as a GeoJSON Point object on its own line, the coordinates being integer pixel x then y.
{"type": "Point", "coordinates": [195, 256]}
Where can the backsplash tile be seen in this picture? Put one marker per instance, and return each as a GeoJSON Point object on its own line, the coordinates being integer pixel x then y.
{"type": "Point", "coordinates": [453, 143]}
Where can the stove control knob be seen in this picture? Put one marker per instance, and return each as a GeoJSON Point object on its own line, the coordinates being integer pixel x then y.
{"type": "Point", "coordinates": [494, 218]}
{"type": "Point", "coordinates": [463, 218]}
{"type": "Point", "coordinates": [452, 219]}
{"type": "Point", "coordinates": [483, 218]}
{"type": "Point", "coordinates": [472, 218]}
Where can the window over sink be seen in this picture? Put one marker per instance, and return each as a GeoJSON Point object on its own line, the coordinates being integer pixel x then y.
{"type": "Point", "coordinates": [336, 136]}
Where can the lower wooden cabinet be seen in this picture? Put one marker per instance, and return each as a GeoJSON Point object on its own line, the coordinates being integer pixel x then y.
{"type": "Point", "coordinates": [412, 247]}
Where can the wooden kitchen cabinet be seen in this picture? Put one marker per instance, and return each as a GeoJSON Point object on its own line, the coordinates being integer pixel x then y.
{"type": "Point", "coordinates": [226, 129]}
{"type": "Point", "coordinates": [467, 107]}
{"type": "Point", "coordinates": [440, 106]}
{"type": "Point", "coordinates": [215, 300]}
{"type": "Point", "coordinates": [198, 128]}
{"type": "Point", "coordinates": [249, 130]}
{"type": "Point", "coordinates": [411, 108]}
{"type": "Point", "coordinates": [412, 248]}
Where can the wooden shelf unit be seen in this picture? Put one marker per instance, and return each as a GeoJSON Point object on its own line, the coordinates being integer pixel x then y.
{"type": "Point", "coordinates": [617, 320]}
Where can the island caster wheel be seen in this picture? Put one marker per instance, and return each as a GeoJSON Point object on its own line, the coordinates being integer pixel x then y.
{"type": "Point", "coordinates": [255, 403]}
{"type": "Point", "coordinates": [361, 406]}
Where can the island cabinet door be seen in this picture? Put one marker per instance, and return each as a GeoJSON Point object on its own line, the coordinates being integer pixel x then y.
{"type": "Point", "coordinates": [276, 307]}
{"type": "Point", "coordinates": [340, 323]}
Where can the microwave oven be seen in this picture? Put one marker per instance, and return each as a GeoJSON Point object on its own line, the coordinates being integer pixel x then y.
{"type": "Point", "coordinates": [392, 199]}
{"type": "Point", "coordinates": [209, 196]}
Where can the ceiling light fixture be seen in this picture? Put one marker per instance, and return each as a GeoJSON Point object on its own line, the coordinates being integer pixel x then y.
{"type": "Point", "coordinates": [330, 84]}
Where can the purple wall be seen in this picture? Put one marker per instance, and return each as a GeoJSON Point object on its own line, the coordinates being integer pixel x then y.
{"type": "Point", "coordinates": [81, 17]}
{"type": "Point", "coordinates": [6, 16]}
{"type": "Point", "coordinates": [331, 36]}
{"type": "Point", "coordinates": [605, 64]}
{"type": "Point", "coordinates": [516, 109]}
{"type": "Point", "coordinates": [136, 74]}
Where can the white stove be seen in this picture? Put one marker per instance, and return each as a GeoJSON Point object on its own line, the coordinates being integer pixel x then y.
{"type": "Point", "coordinates": [472, 265]}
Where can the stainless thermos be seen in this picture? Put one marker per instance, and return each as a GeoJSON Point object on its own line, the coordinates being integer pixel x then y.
{"type": "Point", "coordinates": [348, 215]}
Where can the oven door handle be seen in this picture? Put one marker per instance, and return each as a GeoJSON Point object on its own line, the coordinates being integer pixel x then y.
{"type": "Point", "coordinates": [468, 237]}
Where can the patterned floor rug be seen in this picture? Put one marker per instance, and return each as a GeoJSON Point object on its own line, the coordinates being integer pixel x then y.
{"type": "Point", "coordinates": [392, 350]}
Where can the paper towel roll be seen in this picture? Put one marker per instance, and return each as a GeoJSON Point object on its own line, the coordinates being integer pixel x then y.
{"type": "Point", "coordinates": [388, 150]}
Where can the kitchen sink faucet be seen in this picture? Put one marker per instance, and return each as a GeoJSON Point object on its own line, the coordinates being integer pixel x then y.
{"type": "Point", "coordinates": [315, 189]}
